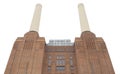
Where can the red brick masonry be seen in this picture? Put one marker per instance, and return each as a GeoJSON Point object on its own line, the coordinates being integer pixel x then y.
{"type": "Point", "coordinates": [30, 56]}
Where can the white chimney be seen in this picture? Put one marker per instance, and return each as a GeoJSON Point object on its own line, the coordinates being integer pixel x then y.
{"type": "Point", "coordinates": [36, 18]}
{"type": "Point", "coordinates": [83, 18]}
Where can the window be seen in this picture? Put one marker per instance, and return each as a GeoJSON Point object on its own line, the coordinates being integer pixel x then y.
{"type": "Point", "coordinates": [57, 57]}
{"type": "Point", "coordinates": [49, 62]}
{"type": "Point", "coordinates": [60, 62]}
{"type": "Point", "coordinates": [71, 67]}
{"type": "Point", "coordinates": [71, 62]}
{"type": "Point", "coordinates": [49, 68]}
{"type": "Point", "coordinates": [60, 57]}
{"type": "Point", "coordinates": [60, 68]}
{"type": "Point", "coordinates": [49, 57]}
{"type": "Point", "coordinates": [63, 62]}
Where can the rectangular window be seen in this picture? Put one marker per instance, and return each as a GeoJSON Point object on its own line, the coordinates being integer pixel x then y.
{"type": "Point", "coordinates": [49, 62]}
{"type": "Point", "coordinates": [63, 62]}
{"type": "Point", "coordinates": [71, 62]}
{"type": "Point", "coordinates": [49, 68]}
{"type": "Point", "coordinates": [49, 57]}
{"type": "Point", "coordinates": [60, 62]}
{"type": "Point", "coordinates": [60, 68]}
{"type": "Point", "coordinates": [71, 67]}
{"type": "Point", "coordinates": [60, 57]}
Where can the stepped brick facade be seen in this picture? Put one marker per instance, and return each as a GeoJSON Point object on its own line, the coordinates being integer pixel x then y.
{"type": "Point", "coordinates": [31, 54]}
{"type": "Point", "coordinates": [87, 55]}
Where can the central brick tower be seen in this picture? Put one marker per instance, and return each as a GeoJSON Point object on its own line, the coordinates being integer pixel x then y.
{"type": "Point", "coordinates": [32, 55]}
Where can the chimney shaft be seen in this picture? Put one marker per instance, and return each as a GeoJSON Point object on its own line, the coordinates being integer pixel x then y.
{"type": "Point", "coordinates": [36, 18]}
{"type": "Point", "coordinates": [83, 18]}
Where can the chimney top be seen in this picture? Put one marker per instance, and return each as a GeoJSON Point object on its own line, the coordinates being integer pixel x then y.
{"type": "Point", "coordinates": [36, 18]}
{"type": "Point", "coordinates": [83, 18]}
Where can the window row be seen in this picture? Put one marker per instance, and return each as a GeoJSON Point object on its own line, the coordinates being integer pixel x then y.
{"type": "Point", "coordinates": [60, 68]}
{"type": "Point", "coordinates": [59, 57]}
{"type": "Point", "coordinates": [60, 62]}
{"type": "Point", "coordinates": [60, 50]}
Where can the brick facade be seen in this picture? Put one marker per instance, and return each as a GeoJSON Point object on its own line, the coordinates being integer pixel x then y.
{"type": "Point", "coordinates": [31, 55]}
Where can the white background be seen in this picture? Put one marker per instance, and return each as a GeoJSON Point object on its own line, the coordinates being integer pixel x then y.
{"type": "Point", "coordinates": [60, 20]}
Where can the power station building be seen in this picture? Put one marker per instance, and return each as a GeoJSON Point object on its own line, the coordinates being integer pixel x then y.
{"type": "Point", "coordinates": [86, 55]}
